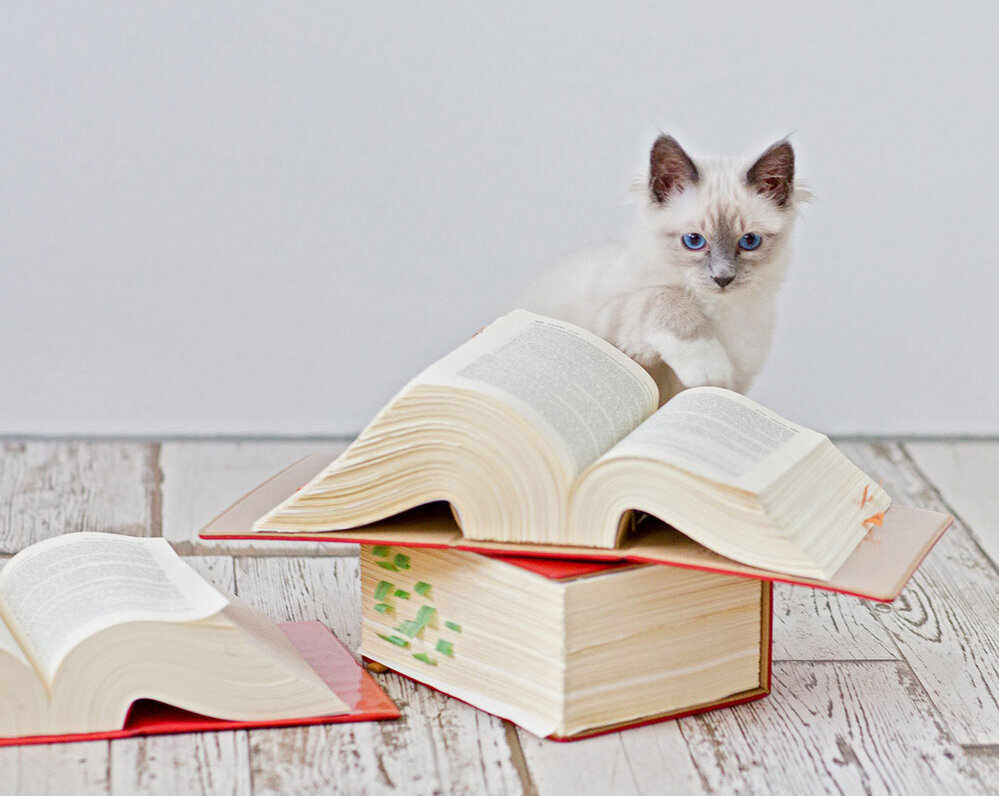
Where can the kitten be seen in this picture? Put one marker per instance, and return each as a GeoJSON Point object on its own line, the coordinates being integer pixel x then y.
{"type": "Point", "coordinates": [690, 295]}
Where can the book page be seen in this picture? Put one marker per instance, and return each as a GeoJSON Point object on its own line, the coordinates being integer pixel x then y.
{"type": "Point", "coordinates": [722, 436]}
{"type": "Point", "coordinates": [60, 591]}
{"type": "Point", "coordinates": [9, 645]}
{"type": "Point", "coordinates": [583, 393]}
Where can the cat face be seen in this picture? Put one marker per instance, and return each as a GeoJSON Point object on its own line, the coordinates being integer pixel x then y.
{"type": "Point", "coordinates": [722, 223]}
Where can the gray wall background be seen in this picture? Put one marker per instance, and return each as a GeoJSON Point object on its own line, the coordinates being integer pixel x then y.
{"type": "Point", "coordinates": [240, 217]}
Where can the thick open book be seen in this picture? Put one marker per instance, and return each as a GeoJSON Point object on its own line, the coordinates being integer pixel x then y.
{"type": "Point", "coordinates": [878, 568]}
{"type": "Point", "coordinates": [93, 623]}
{"type": "Point", "coordinates": [537, 431]}
{"type": "Point", "coordinates": [566, 649]}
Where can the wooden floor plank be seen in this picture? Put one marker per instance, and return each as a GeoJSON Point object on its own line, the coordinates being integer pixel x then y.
{"type": "Point", "coordinates": [293, 589]}
{"type": "Point", "coordinates": [220, 571]}
{"type": "Point", "coordinates": [985, 761]}
{"type": "Point", "coordinates": [50, 488]}
{"type": "Point", "coordinates": [653, 759]}
{"type": "Point", "coordinates": [201, 479]}
{"type": "Point", "coordinates": [816, 625]}
{"type": "Point", "coordinates": [946, 622]}
{"type": "Point", "coordinates": [215, 763]}
{"type": "Point", "coordinates": [55, 769]}
{"type": "Point", "coordinates": [965, 474]}
{"type": "Point", "coordinates": [864, 727]}
{"type": "Point", "coordinates": [439, 746]}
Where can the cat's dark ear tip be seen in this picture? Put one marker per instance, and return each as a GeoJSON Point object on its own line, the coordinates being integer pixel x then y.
{"type": "Point", "coordinates": [781, 149]}
{"type": "Point", "coordinates": [670, 168]}
{"type": "Point", "coordinates": [665, 143]}
{"type": "Point", "coordinates": [784, 146]}
{"type": "Point", "coordinates": [772, 175]}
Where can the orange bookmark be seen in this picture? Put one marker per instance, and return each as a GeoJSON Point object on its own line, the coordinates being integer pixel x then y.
{"type": "Point", "coordinates": [876, 519]}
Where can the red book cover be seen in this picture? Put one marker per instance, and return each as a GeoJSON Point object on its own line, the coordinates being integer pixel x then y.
{"type": "Point", "coordinates": [560, 568]}
{"type": "Point", "coordinates": [324, 653]}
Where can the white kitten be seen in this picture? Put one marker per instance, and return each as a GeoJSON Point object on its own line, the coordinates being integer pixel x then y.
{"type": "Point", "coordinates": [690, 295]}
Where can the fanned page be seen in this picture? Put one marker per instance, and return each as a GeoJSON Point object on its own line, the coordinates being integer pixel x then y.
{"type": "Point", "coordinates": [740, 480]}
{"type": "Point", "coordinates": [722, 437]}
{"type": "Point", "coordinates": [58, 592]}
{"type": "Point", "coordinates": [581, 392]}
{"type": "Point", "coordinates": [23, 698]}
{"type": "Point", "coordinates": [10, 647]}
{"type": "Point", "coordinates": [499, 428]}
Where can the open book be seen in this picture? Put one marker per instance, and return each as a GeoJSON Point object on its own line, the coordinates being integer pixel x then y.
{"type": "Point", "coordinates": [538, 431]}
{"type": "Point", "coordinates": [93, 622]}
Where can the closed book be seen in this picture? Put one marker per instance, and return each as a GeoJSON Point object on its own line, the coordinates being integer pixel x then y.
{"type": "Point", "coordinates": [566, 649]}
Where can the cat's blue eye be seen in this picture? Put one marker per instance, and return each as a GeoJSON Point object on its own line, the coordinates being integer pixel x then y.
{"type": "Point", "coordinates": [750, 241]}
{"type": "Point", "coordinates": [694, 242]}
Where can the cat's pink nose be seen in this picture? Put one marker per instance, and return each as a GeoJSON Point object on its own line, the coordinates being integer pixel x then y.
{"type": "Point", "coordinates": [721, 281]}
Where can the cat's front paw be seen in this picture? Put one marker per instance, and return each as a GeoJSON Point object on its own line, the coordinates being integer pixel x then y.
{"type": "Point", "coordinates": [702, 363]}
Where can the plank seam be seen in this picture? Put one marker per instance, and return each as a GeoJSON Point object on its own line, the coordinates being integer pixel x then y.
{"type": "Point", "coordinates": [235, 575]}
{"type": "Point", "coordinates": [189, 548]}
{"type": "Point", "coordinates": [947, 505]}
{"type": "Point", "coordinates": [519, 759]}
{"type": "Point", "coordinates": [107, 768]}
{"type": "Point", "coordinates": [983, 749]}
{"type": "Point", "coordinates": [939, 718]}
{"type": "Point", "coordinates": [154, 487]}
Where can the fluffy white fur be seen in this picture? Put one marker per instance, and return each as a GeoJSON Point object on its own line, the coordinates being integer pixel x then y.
{"type": "Point", "coordinates": [668, 307]}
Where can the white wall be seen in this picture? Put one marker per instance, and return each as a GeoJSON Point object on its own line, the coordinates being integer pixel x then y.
{"type": "Point", "coordinates": [237, 217]}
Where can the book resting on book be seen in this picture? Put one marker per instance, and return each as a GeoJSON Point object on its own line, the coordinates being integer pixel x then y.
{"type": "Point", "coordinates": [566, 649]}
{"type": "Point", "coordinates": [538, 432]}
{"type": "Point", "coordinates": [92, 623]}
{"type": "Point", "coordinates": [878, 568]}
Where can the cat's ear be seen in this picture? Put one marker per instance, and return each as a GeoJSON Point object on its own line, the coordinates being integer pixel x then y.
{"type": "Point", "coordinates": [772, 175]}
{"type": "Point", "coordinates": [670, 169]}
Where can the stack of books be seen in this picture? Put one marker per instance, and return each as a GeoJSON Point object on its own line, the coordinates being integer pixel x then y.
{"type": "Point", "coordinates": [542, 541]}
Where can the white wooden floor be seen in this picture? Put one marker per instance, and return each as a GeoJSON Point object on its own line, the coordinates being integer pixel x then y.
{"type": "Point", "coordinates": [867, 698]}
